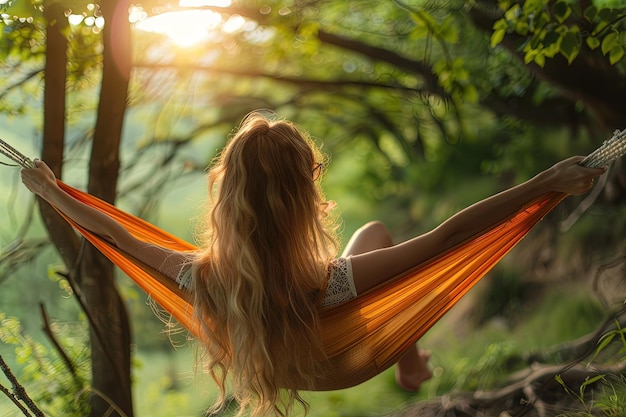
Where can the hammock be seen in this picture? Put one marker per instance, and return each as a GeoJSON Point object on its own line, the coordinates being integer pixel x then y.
{"type": "Point", "coordinates": [368, 334]}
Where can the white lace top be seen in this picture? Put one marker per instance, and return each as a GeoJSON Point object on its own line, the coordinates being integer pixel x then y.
{"type": "Point", "coordinates": [340, 282]}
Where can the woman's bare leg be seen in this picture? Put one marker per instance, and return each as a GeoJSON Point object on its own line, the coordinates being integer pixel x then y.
{"type": "Point", "coordinates": [412, 368]}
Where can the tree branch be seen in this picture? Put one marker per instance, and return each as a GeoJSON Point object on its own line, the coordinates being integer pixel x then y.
{"type": "Point", "coordinates": [14, 400]}
{"type": "Point", "coordinates": [48, 331]}
{"type": "Point", "coordinates": [19, 393]}
{"type": "Point", "coordinates": [372, 52]}
{"type": "Point", "coordinates": [379, 54]}
{"type": "Point", "coordinates": [299, 81]}
{"type": "Point", "coordinates": [21, 82]}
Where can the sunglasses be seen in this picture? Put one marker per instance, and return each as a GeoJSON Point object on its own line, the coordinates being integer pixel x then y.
{"type": "Point", "coordinates": [317, 170]}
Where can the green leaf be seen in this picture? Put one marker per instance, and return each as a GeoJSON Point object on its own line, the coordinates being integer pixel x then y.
{"type": "Point", "coordinates": [419, 32]}
{"type": "Point", "coordinates": [522, 27]}
{"type": "Point", "coordinates": [471, 94]}
{"type": "Point", "coordinates": [588, 382]}
{"type": "Point", "coordinates": [513, 13]}
{"type": "Point", "coordinates": [504, 4]}
{"type": "Point", "coordinates": [609, 42]}
{"type": "Point", "coordinates": [561, 11]}
{"type": "Point", "coordinates": [551, 38]}
{"type": "Point", "coordinates": [535, 42]}
{"type": "Point", "coordinates": [449, 33]}
{"type": "Point", "coordinates": [605, 341]}
{"type": "Point", "coordinates": [592, 42]}
{"type": "Point", "coordinates": [530, 56]}
{"type": "Point", "coordinates": [501, 24]}
{"type": "Point", "coordinates": [590, 13]}
{"type": "Point", "coordinates": [423, 18]}
{"type": "Point", "coordinates": [616, 54]}
{"type": "Point", "coordinates": [570, 45]}
{"type": "Point", "coordinates": [540, 60]}
{"type": "Point", "coordinates": [560, 29]}
{"type": "Point", "coordinates": [541, 20]}
{"type": "Point", "coordinates": [532, 6]}
{"type": "Point", "coordinates": [599, 27]}
{"type": "Point", "coordinates": [594, 379]}
{"type": "Point", "coordinates": [497, 36]}
{"type": "Point", "coordinates": [608, 15]}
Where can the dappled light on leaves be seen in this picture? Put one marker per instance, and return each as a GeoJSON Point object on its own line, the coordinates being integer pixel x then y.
{"type": "Point", "coordinates": [91, 18]}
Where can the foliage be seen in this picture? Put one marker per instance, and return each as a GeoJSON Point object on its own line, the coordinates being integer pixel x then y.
{"type": "Point", "coordinates": [609, 336]}
{"type": "Point", "coordinates": [562, 27]}
{"type": "Point", "coordinates": [23, 48]}
{"type": "Point", "coordinates": [608, 398]}
{"type": "Point", "coordinates": [56, 389]}
{"type": "Point", "coordinates": [611, 400]}
{"type": "Point", "coordinates": [431, 90]}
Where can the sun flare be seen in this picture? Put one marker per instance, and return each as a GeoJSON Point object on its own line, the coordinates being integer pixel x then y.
{"type": "Point", "coordinates": [185, 28]}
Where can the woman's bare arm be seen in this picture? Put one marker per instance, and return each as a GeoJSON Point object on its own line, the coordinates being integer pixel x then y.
{"type": "Point", "coordinates": [41, 181]}
{"type": "Point", "coordinates": [374, 267]}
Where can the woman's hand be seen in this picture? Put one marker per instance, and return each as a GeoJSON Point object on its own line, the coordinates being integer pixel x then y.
{"type": "Point", "coordinates": [569, 177]}
{"type": "Point", "coordinates": [39, 179]}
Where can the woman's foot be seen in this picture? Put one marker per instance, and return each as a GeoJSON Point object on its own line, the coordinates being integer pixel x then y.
{"type": "Point", "coordinates": [412, 370]}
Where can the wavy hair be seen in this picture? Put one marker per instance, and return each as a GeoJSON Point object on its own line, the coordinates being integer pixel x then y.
{"type": "Point", "coordinates": [262, 270]}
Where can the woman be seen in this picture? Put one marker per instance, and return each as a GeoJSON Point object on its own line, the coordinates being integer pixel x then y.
{"type": "Point", "coordinates": [268, 258]}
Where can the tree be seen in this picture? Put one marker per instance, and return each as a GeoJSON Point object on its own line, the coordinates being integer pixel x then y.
{"type": "Point", "coordinates": [91, 272]}
{"type": "Point", "coordinates": [110, 331]}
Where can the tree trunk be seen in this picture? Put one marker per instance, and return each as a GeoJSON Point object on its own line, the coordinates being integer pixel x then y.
{"type": "Point", "coordinates": [64, 238]}
{"type": "Point", "coordinates": [110, 337]}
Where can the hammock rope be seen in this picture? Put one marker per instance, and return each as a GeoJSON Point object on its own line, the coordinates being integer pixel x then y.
{"type": "Point", "coordinates": [366, 335]}
{"type": "Point", "coordinates": [13, 154]}
{"type": "Point", "coordinates": [610, 150]}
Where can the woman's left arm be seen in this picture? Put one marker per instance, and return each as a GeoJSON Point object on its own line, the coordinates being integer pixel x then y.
{"type": "Point", "coordinates": [42, 181]}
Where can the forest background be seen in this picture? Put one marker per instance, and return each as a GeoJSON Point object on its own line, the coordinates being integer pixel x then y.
{"type": "Point", "coordinates": [424, 108]}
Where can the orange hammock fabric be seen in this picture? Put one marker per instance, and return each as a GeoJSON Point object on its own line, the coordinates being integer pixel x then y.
{"type": "Point", "coordinates": [366, 335]}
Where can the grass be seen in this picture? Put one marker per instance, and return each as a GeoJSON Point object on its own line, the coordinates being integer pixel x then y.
{"type": "Point", "coordinates": [165, 385]}
{"type": "Point", "coordinates": [461, 360]}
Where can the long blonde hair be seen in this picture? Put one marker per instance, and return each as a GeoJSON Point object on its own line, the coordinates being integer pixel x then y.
{"type": "Point", "coordinates": [260, 277]}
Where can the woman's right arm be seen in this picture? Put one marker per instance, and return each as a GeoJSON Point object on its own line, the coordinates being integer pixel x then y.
{"type": "Point", "coordinates": [41, 181]}
{"type": "Point", "coordinates": [372, 268]}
